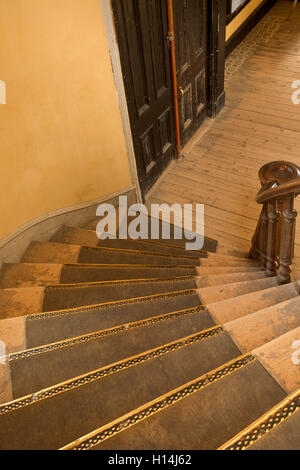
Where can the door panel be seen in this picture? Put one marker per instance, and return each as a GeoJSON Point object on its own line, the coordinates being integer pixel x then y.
{"type": "Point", "coordinates": [142, 27]}
{"type": "Point", "coordinates": [192, 63]}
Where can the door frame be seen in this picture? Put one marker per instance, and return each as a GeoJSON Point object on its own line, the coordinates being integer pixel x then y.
{"type": "Point", "coordinates": [217, 42]}
{"type": "Point", "coordinates": [217, 10]}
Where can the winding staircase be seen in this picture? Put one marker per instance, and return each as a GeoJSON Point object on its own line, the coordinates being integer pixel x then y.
{"type": "Point", "coordinates": [125, 344]}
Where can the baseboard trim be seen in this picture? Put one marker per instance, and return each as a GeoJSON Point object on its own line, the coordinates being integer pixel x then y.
{"type": "Point", "coordinates": [14, 245]}
{"type": "Point", "coordinates": [249, 24]}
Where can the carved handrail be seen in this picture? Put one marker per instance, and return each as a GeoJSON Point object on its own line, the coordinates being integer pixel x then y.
{"type": "Point", "coordinates": [274, 238]}
{"type": "Point", "coordinates": [268, 193]}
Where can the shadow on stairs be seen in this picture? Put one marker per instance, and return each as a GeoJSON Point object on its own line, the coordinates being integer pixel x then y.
{"type": "Point", "coordinates": [131, 344]}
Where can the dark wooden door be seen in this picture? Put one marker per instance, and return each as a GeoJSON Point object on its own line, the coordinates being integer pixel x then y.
{"type": "Point", "coordinates": [191, 36]}
{"type": "Point", "coordinates": [142, 28]}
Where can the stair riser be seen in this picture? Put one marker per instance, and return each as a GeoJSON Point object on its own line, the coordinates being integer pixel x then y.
{"type": "Point", "coordinates": [259, 328]}
{"type": "Point", "coordinates": [217, 293]}
{"type": "Point", "coordinates": [229, 278]}
{"type": "Point", "coordinates": [64, 417]}
{"type": "Point", "coordinates": [236, 307]}
{"type": "Point", "coordinates": [277, 357]}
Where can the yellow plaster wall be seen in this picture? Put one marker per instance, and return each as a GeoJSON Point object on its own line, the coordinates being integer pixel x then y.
{"type": "Point", "coordinates": [61, 135]}
{"type": "Point", "coordinates": [241, 17]}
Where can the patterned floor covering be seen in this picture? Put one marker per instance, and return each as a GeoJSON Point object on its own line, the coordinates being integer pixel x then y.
{"type": "Point", "coordinates": [261, 34]}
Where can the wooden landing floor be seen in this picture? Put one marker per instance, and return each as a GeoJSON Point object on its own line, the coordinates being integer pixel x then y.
{"type": "Point", "coordinates": [259, 124]}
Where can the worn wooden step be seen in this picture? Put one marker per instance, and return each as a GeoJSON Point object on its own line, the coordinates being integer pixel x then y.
{"type": "Point", "coordinates": [284, 437]}
{"type": "Point", "coordinates": [277, 357]}
{"type": "Point", "coordinates": [79, 236]}
{"type": "Point", "coordinates": [30, 274]}
{"type": "Point", "coordinates": [45, 328]}
{"type": "Point", "coordinates": [42, 328]}
{"type": "Point", "coordinates": [34, 369]}
{"type": "Point", "coordinates": [228, 278]}
{"type": "Point", "coordinates": [210, 244]}
{"type": "Point", "coordinates": [213, 294]}
{"type": "Point", "coordinates": [42, 274]}
{"type": "Point", "coordinates": [39, 252]}
{"type": "Point", "coordinates": [29, 300]}
{"type": "Point", "coordinates": [46, 365]}
{"type": "Point", "coordinates": [226, 310]}
{"type": "Point", "coordinates": [212, 409]}
{"type": "Point", "coordinates": [278, 429]}
{"type": "Point", "coordinates": [202, 414]}
{"type": "Point", "coordinates": [62, 413]}
{"type": "Point", "coordinates": [258, 328]}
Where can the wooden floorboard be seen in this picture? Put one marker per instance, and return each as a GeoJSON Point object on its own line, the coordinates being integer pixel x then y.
{"type": "Point", "coordinates": [259, 124]}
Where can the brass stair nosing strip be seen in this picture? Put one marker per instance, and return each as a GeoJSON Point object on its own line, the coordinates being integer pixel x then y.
{"type": "Point", "coordinates": [145, 253]}
{"type": "Point", "coordinates": [110, 369]}
{"type": "Point", "coordinates": [104, 333]}
{"type": "Point", "coordinates": [146, 411]}
{"type": "Point", "coordinates": [121, 282]}
{"type": "Point", "coordinates": [265, 424]}
{"type": "Point", "coordinates": [168, 245]}
{"type": "Point", "coordinates": [111, 304]}
{"type": "Point", "coordinates": [129, 266]}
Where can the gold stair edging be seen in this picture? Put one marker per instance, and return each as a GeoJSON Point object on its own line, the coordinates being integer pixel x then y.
{"type": "Point", "coordinates": [104, 333]}
{"type": "Point", "coordinates": [146, 411]}
{"type": "Point", "coordinates": [145, 253]}
{"type": "Point", "coordinates": [168, 245]}
{"type": "Point", "coordinates": [124, 282]}
{"type": "Point", "coordinates": [111, 369]}
{"type": "Point", "coordinates": [128, 266]}
{"type": "Point", "coordinates": [266, 423]}
{"type": "Point", "coordinates": [111, 304]}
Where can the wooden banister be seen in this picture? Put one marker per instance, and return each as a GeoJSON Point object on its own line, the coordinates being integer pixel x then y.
{"type": "Point", "coordinates": [274, 238]}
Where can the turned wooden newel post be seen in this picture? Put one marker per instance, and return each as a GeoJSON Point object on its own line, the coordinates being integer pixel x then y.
{"type": "Point", "coordinates": [273, 218]}
{"type": "Point", "coordinates": [257, 240]}
{"type": "Point", "coordinates": [287, 239]}
{"type": "Point", "coordinates": [263, 236]}
{"type": "Point", "coordinates": [274, 239]}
